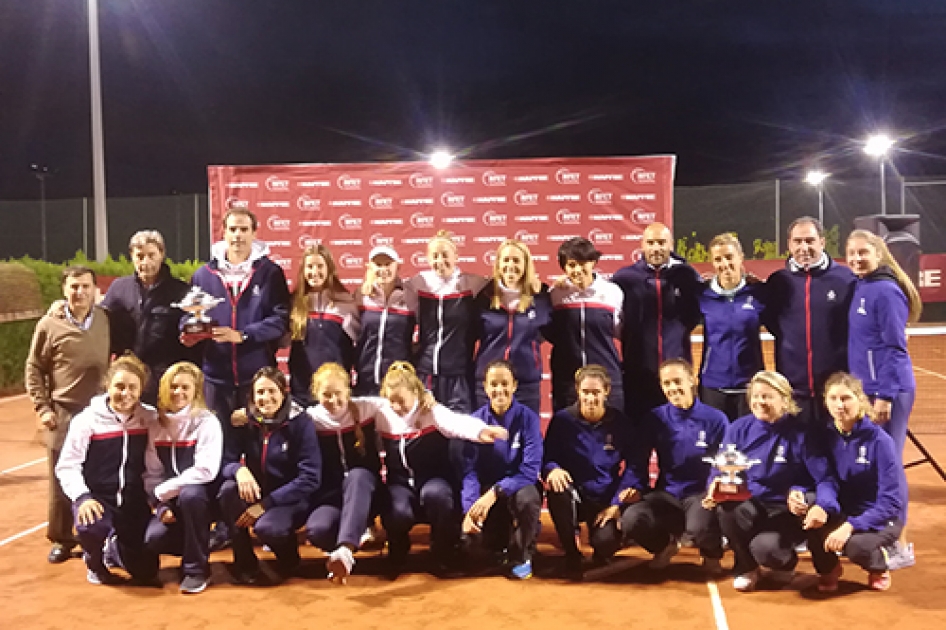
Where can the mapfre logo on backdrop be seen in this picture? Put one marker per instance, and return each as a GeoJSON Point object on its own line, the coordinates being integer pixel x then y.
{"type": "Point", "coordinates": [526, 198]}
{"type": "Point", "coordinates": [527, 237]}
{"type": "Point", "coordinates": [643, 217]}
{"type": "Point", "coordinates": [599, 197]}
{"type": "Point", "coordinates": [377, 240]}
{"type": "Point", "coordinates": [452, 200]}
{"type": "Point", "coordinates": [600, 237]}
{"type": "Point", "coordinates": [419, 180]}
{"type": "Point", "coordinates": [567, 217]}
{"type": "Point", "coordinates": [277, 184]}
{"type": "Point", "coordinates": [565, 176]}
{"type": "Point", "coordinates": [308, 204]}
{"type": "Point", "coordinates": [378, 201]}
{"type": "Point", "coordinates": [636, 255]}
{"type": "Point", "coordinates": [234, 203]}
{"type": "Point", "coordinates": [278, 224]}
{"type": "Point", "coordinates": [419, 260]}
{"type": "Point", "coordinates": [422, 221]}
{"type": "Point", "coordinates": [492, 178]}
{"type": "Point", "coordinates": [348, 222]}
{"type": "Point", "coordinates": [350, 261]}
{"type": "Point", "coordinates": [643, 176]}
{"type": "Point", "coordinates": [347, 182]}
{"type": "Point", "coordinates": [489, 257]}
{"type": "Point", "coordinates": [492, 218]}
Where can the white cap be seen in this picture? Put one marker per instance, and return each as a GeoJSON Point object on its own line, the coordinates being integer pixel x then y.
{"type": "Point", "coordinates": [384, 250]}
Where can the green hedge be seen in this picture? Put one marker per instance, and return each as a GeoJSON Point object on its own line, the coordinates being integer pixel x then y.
{"type": "Point", "coordinates": [15, 336]}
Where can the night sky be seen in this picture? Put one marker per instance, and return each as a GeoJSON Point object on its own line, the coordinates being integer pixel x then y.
{"type": "Point", "coordinates": [739, 90]}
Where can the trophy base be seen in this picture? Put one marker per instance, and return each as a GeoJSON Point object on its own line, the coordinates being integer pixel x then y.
{"type": "Point", "coordinates": [197, 331]}
{"type": "Point", "coordinates": [724, 493]}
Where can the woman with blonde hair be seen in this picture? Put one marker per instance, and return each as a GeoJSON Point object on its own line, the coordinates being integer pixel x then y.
{"type": "Point", "coordinates": [443, 298]}
{"type": "Point", "coordinates": [870, 489]}
{"type": "Point", "coordinates": [764, 529]}
{"type": "Point", "coordinates": [101, 468]}
{"type": "Point", "coordinates": [513, 307]}
{"type": "Point", "coordinates": [885, 301]}
{"type": "Point", "coordinates": [182, 460]}
{"type": "Point", "coordinates": [421, 480]}
{"type": "Point", "coordinates": [323, 320]}
{"type": "Point", "coordinates": [387, 321]}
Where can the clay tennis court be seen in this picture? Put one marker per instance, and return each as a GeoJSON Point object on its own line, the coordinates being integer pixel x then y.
{"type": "Point", "coordinates": [34, 594]}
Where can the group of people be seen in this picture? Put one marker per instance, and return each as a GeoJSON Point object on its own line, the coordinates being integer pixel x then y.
{"type": "Point", "coordinates": [417, 400]}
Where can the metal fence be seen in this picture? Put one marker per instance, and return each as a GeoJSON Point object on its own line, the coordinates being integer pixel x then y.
{"type": "Point", "coordinates": [755, 211]}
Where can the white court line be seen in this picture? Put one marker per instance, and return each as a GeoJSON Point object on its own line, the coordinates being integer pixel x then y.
{"type": "Point", "coordinates": [22, 466]}
{"type": "Point", "coordinates": [929, 372]}
{"type": "Point", "coordinates": [718, 612]}
{"type": "Point", "coordinates": [27, 532]}
{"type": "Point", "coordinates": [7, 399]}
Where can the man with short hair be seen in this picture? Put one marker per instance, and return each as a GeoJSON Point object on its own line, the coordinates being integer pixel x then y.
{"type": "Point", "coordinates": [64, 370]}
{"type": "Point", "coordinates": [251, 319]}
{"type": "Point", "coordinates": [140, 313]}
{"type": "Point", "coordinates": [661, 309]}
{"type": "Point", "coordinates": [806, 309]}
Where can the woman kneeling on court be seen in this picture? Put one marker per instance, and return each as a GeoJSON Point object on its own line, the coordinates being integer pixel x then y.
{"type": "Point", "coordinates": [182, 460]}
{"type": "Point", "coordinates": [585, 447]}
{"type": "Point", "coordinates": [870, 489]}
{"type": "Point", "coordinates": [762, 530]}
{"type": "Point", "coordinates": [507, 513]}
{"type": "Point", "coordinates": [421, 479]}
{"type": "Point", "coordinates": [271, 470]}
{"type": "Point", "coordinates": [101, 470]}
{"type": "Point", "coordinates": [683, 431]}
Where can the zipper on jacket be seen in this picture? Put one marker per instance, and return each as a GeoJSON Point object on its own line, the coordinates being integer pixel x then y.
{"type": "Point", "coordinates": [706, 359]}
{"type": "Point", "coordinates": [509, 337]}
{"type": "Point", "coordinates": [263, 459]}
{"type": "Point", "coordinates": [660, 319]}
{"type": "Point", "coordinates": [379, 355]}
{"type": "Point", "coordinates": [341, 451]}
{"type": "Point", "coordinates": [439, 343]}
{"type": "Point", "coordinates": [584, 357]}
{"type": "Point", "coordinates": [121, 469]}
{"type": "Point", "coordinates": [811, 375]}
{"type": "Point", "coordinates": [870, 364]}
{"type": "Point", "coordinates": [410, 471]}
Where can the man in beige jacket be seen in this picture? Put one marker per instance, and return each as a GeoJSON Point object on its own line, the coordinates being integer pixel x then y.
{"type": "Point", "coordinates": [67, 362]}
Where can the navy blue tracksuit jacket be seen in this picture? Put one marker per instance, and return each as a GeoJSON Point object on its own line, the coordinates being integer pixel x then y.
{"type": "Point", "coordinates": [506, 333]}
{"type": "Point", "coordinates": [732, 349]}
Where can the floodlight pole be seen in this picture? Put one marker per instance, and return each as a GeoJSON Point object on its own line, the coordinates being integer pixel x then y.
{"type": "Point", "coordinates": [98, 142]}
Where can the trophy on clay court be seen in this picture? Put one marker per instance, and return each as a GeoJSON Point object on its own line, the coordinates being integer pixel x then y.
{"type": "Point", "coordinates": [730, 485]}
{"type": "Point", "coordinates": [198, 326]}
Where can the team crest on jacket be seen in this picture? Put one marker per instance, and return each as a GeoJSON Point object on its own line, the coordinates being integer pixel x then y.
{"type": "Point", "coordinates": [780, 455]}
{"type": "Point", "coordinates": [832, 296]}
{"type": "Point", "coordinates": [862, 309]}
{"type": "Point", "coordinates": [609, 442]}
{"type": "Point", "coordinates": [701, 439]}
{"type": "Point", "coordinates": [256, 290]}
{"type": "Point", "coordinates": [514, 442]}
{"type": "Point", "coordinates": [748, 304]}
{"type": "Point", "coordinates": [862, 456]}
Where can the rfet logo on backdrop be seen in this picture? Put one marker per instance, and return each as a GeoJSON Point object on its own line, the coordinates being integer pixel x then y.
{"type": "Point", "coordinates": [354, 207]}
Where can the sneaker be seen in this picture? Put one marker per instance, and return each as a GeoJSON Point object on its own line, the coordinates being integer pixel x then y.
{"type": "Point", "coordinates": [372, 538]}
{"type": "Point", "coordinates": [339, 564]}
{"type": "Point", "coordinates": [828, 582]}
{"type": "Point", "coordinates": [110, 554]}
{"type": "Point", "coordinates": [899, 556]}
{"type": "Point", "coordinates": [97, 576]}
{"type": "Point", "coordinates": [781, 578]}
{"type": "Point", "coordinates": [878, 581]}
{"type": "Point", "coordinates": [802, 547]}
{"type": "Point", "coordinates": [521, 571]}
{"type": "Point", "coordinates": [219, 537]}
{"type": "Point", "coordinates": [59, 553]}
{"type": "Point", "coordinates": [746, 582]}
{"type": "Point", "coordinates": [713, 566]}
{"type": "Point", "coordinates": [663, 557]}
{"type": "Point", "coordinates": [193, 584]}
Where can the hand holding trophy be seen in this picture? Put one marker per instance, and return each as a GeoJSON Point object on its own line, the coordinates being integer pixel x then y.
{"type": "Point", "coordinates": [198, 326]}
{"type": "Point", "coordinates": [730, 486]}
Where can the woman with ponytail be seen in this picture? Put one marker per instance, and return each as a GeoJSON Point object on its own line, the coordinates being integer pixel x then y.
{"type": "Point", "coordinates": [323, 321]}
{"type": "Point", "coordinates": [885, 301]}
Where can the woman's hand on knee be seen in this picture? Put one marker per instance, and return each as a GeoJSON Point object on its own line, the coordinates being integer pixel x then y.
{"type": "Point", "coordinates": [89, 512]}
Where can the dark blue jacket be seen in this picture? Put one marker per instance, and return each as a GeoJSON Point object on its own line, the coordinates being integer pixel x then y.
{"type": "Point", "coordinates": [285, 461]}
{"type": "Point", "coordinates": [593, 453]}
{"type": "Point", "coordinates": [790, 458]}
{"type": "Point", "coordinates": [142, 320]}
{"type": "Point", "coordinates": [877, 340]}
{"type": "Point", "coordinates": [682, 438]}
{"type": "Point", "coordinates": [871, 482]}
{"type": "Point", "coordinates": [387, 333]}
{"type": "Point", "coordinates": [509, 465]}
{"type": "Point", "coordinates": [661, 309]}
{"type": "Point", "coordinates": [261, 311]}
{"type": "Point", "coordinates": [512, 335]}
{"type": "Point", "coordinates": [328, 339]}
{"type": "Point", "coordinates": [807, 311]}
{"type": "Point", "coordinates": [732, 349]}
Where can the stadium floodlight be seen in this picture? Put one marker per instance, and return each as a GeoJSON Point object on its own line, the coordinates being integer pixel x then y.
{"type": "Point", "coordinates": [877, 146]}
{"type": "Point", "coordinates": [816, 178]}
{"type": "Point", "coordinates": [441, 158]}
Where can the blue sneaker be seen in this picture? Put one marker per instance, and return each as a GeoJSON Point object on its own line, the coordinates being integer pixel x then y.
{"type": "Point", "coordinates": [522, 571]}
{"type": "Point", "coordinates": [110, 553]}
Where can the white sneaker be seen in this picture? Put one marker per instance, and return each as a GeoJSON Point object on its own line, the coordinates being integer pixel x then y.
{"type": "Point", "coordinates": [747, 581]}
{"type": "Point", "coordinates": [899, 556]}
{"type": "Point", "coordinates": [781, 578]}
{"type": "Point", "coordinates": [663, 557]}
{"type": "Point", "coordinates": [340, 563]}
{"type": "Point", "coordinates": [713, 566]}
